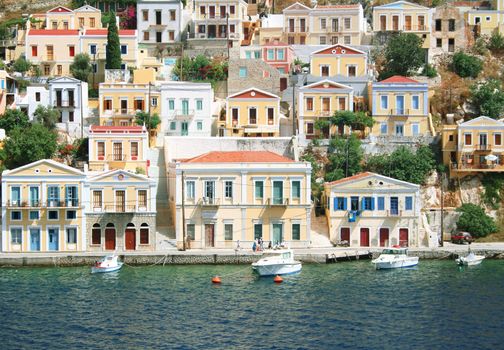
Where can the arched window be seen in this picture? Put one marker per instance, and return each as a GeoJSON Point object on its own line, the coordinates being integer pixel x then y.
{"type": "Point", "coordinates": [110, 225]}
{"type": "Point", "coordinates": [144, 234]}
{"type": "Point", "coordinates": [96, 235]}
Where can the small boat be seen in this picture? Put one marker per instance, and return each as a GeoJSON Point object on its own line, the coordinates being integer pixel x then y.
{"type": "Point", "coordinates": [470, 260]}
{"type": "Point", "coordinates": [393, 258]}
{"type": "Point", "coordinates": [109, 263]}
{"type": "Point", "coordinates": [277, 262]}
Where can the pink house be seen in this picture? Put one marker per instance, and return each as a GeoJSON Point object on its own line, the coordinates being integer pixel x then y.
{"type": "Point", "coordinates": [278, 55]}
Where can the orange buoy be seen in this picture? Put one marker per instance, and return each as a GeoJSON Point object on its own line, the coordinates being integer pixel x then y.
{"type": "Point", "coordinates": [216, 279]}
{"type": "Point", "coordinates": [277, 279]}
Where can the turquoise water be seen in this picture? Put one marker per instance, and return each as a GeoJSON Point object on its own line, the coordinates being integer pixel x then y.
{"type": "Point", "coordinates": [344, 305]}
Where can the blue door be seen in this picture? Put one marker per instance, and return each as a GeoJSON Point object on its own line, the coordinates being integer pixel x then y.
{"type": "Point", "coordinates": [400, 105]}
{"type": "Point", "coordinates": [34, 239]}
{"type": "Point", "coordinates": [53, 238]}
{"type": "Point", "coordinates": [394, 206]}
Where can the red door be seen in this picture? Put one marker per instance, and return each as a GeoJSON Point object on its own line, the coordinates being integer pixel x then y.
{"type": "Point", "coordinates": [345, 234]}
{"type": "Point", "coordinates": [384, 237]}
{"type": "Point", "coordinates": [403, 237]}
{"type": "Point", "coordinates": [130, 238]}
{"type": "Point", "coordinates": [283, 84]}
{"type": "Point", "coordinates": [364, 237]}
{"type": "Point", "coordinates": [110, 239]}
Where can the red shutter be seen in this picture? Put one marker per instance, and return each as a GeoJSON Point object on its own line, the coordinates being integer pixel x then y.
{"type": "Point", "coordinates": [34, 51]}
{"type": "Point", "coordinates": [71, 50]}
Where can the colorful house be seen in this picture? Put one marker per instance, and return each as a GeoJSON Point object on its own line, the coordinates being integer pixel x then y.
{"type": "Point", "coordinates": [474, 147]}
{"type": "Point", "coordinates": [121, 215]}
{"type": "Point", "coordinates": [159, 21]}
{"type": "Point", "coordinates": [403, 16]}
{"type": "Point", "coordinates": [240, 196]}
{"type": "Point", "coordinates": [296, 24]}
{"type": "Point", "coordinates": [319, 101]}
{"type": "Point", "coordinates": [339, 60]}
{"type": "Point", "coordinates": [371, 210]}
{"type": "Point", "coordinates": [278, 55]}
{"type": "Point", "coordinates": [43, 208]}
{"type": "Point", "coordinates": [118, 147]}
{"type": "Point", "coordinates": [400, 107]}
{"type": "Point", "coordinates": [64, 18]}
{"type": "Point", "coordinates": [8, 91]}
{"type": "Point", "coordinates": [251, 112]}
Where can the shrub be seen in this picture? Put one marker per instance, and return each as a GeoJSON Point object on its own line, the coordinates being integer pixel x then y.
{"type": "Point", "coordinates": [488, 98]}
{"type": "Point", "coordinates": [466, 66]}
{"type": "Point", "coordinates": [429, 71]}
{"type": "Point", "coordinates": [475, 221]}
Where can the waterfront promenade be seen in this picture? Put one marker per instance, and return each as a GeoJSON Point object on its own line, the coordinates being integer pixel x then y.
{"type": "Point", "coordinates": [242, 256]}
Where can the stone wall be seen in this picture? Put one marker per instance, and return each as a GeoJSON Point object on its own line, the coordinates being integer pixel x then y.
{"type": "Point", "coordinates": [120, 221]}
{"type": "Point", "coordinates": [387, 144]}
{"type": "Point", "coordinates": [256, 70]}
{"type": "Point", "coordinates": [445, 13]}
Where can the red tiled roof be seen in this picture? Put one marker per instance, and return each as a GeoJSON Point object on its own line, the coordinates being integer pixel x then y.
{"type": "Point", "coordinates": [399, 79]}
{"type": "Point", "coordinates": [53, 32]}
{"type": "Point", "coordinates": [105, 31]}
{"type": "Point", "coordinates": [239, 157]}
{"type": "Point", "coordinates": [116, 129]}
{"type": "Point", "coordinates": [59, 9]}
{"type": "Point", "coordinates": [349, 6]}
{"type": "Point", "coordinates": [351, 178]}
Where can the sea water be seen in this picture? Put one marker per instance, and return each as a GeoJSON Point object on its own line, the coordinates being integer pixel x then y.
{"type": "Point", "coordinates": [436, 305]}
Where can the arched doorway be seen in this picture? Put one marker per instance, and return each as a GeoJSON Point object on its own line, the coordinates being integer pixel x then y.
{"type": "Point", "coordinates": [96, 235]}
{"type": "Point", "coordinates": [130, 237]}
{"type": "Point", "coordinates": [110, 237]}
{"type": "Point", "coordinates": [144, 233]}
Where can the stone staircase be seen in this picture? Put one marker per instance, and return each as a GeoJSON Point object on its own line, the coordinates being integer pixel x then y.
{"type": "Point", "coordinates": [319, 231]}
{"type": "Point", "coordinates": [165, 238]}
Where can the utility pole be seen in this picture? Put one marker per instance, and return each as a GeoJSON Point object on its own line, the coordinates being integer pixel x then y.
{"type": "Point", "coordinates": [293, 109]}
{"type": "Point", "coordinates": [442, 209]}
{"type": "Point", "coordinates": [183, 213]}
{"type": "Point", "coordinates": [229, 58]}
{"type": "Point", "coordinates": [82, 110]}
{"type": "Point", "coordinates": [182, 63]}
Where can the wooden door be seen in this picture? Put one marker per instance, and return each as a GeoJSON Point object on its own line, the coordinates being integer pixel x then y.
{"type": "Point", "coordinates": [407, 23]}
{"type": "Point", "coordinates": [209, 235]}
{"type": "Point", "coordinates": [326, 104]}
{"type": "Point", "coordinates": [117, 149]}
{"type": "Point", "coordinates": [283, 84]}
{"type": "Point", "coordinates": [130, 239]}
{"type": "Point", "coordinates": [403, 237]}
{"type": "Point", "coordinates": [342, 103]}
{"type": "Point", "coordinates": [383, 23]}
{"type": "Point", "coordinates": [395, 23]}
{"type": "Point", "coordinates": [120, 201]}
{"type": "Point", "coordinates": [110, 239]}
{"type": "Point", "coordinates": [364, 237]}
{"type": "Point", "coordinates": [345, 234]}
{"type": "Point", "coordinates": [384, 237]}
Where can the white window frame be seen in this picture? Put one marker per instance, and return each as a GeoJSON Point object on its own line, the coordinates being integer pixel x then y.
{"type": "Point", "coordinates": [412, 99]}
{"type": "Point", "coordinates": [188, 192]}
{"type": "Point", "coordinates": [300, 180]}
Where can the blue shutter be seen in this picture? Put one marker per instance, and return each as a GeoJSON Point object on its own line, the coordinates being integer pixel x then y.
{"type": "Point", "coordinates": [344, 203]}
{"type": "Point", "coordinates": [372, 203]}
{"type": "Point", "coordinates": [335, 203]}
{"type": "Point", "coordinates": [409, 203]}
{"type": "Point", "coordinates": [381, 203]}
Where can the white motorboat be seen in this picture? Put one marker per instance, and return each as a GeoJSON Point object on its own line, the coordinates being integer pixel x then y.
{"type": "Point", "coordinates": [470, 260]}
{"type": "Point", "coordinates": [393, 258]}
{"type": "Point", "coordinates": [277, 262]}
{"type": "Point", "coordinates": [109, 263]}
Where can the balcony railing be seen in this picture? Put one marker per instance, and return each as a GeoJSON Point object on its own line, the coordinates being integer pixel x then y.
{"type": "Point", "coordinates": [331, 29]}
{"type": "Point", "coordinates": [399, 112]}
{"type": "Point", "coordinates": [209, 202]}
{"type": "Point", "coordinates": [483, 147]}
{"type": "Point", "coordinates": [297, 29]}
{"type": "Point", "coordinates": [69, 203]}
{"type": "Point", "coordinates": [182, 113]}
{"type": "Point", "coordinates": [64, 103]}
{"type": "Point", "coordinates": [278, 201]}
{"type": "Point", "coordinates": [121, 208]}
{"type": "Point", "coordinates": [232, 36]}
{"type": "Point", "coordinates": [121, 112]}
{"type": "Point", "coordinates": [217, 15]}
{"type": "Point", "coordinates": [394, 213]}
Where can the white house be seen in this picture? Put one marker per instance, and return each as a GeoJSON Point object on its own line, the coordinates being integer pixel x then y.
{"type": "Point", "coordinates": [68, 95]}
{"type": "Point", "coordinates": [159, 21]}
{"type": "Point", "coordinates": [186, 108]}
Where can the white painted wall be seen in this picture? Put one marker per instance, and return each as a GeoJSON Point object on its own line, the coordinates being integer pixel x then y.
{"type": "Point", "coordinates": [167, 25]}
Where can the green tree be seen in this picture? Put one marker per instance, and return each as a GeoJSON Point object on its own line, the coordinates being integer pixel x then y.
{"type": "Point", "coordinates": [466, 66]}
{"type": "Point", "coordinates": [47, 116]}
{"type": "Point", "coordinates": [496, 42]}
{"type": "Point", "coordinates": [26, 145]}
{"type": "Point", "coordinates": [81, 67]}
{"type": "Point", "coordinates": [13, 118]}
{"type": "Point", "coordinates": [113, 52]}
{"type": "Point", "coordinates": [150, 121]}
{"type": "Point", "coordinates": [403, 55]}
{"type": "Point", "coordinates": [357, 120]}
{"type": "Point", "coordinates": [488, 98]}
{"type": "Point", "coordinates": [345, 157]}
{"type": "Point", "coordinates": [474, 220]}
{"type": "Point", "coordinates": [404, 164]}
{"type": "Point", "coordinates": [22, 65]}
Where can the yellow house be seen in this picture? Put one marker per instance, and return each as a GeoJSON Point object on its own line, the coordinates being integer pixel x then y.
{"type": "Point", "coordinates": [371, 210]}
{"type": "Point", "coordinates": [400, 107]}
{"type": "Point", "coordinates": [42, 208]}
{"type": "Point", "coordinates": [118, 147]}
{"type": "Point", "coordinates": [475, 146]}
{"type": "Point", "coordinates": [403, 16]}
{"type": "Point", "coordinates": [484, 22]}
{"type": "Point", "coordinates": [240, 196]}
{"type": "Point", "coordinates": [296, 24]}
{"type": "Point", "coordinates": [7, 91]}
{"type": "Point", "coordinates": [120, 102]}
{"type": "Point", "coordinates": [64, 18]}
{"type": "Point", "coordinates": [121, 215]}
{"type": "Point", "coordinates": [319, 101]}
{"type": "Point", "coordinates": [333, 24]}
{"type": "Point", "coordinates": [252, 112]}
{"type": "Point", "coordinates": [338, 60]}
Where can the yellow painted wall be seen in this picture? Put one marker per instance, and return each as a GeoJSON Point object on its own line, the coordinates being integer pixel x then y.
{"type": "Point", "coordinates": [422, 121]}
{"type": "Point", "coordinates": [128, 163]}
{"type": "Point", "coordinates": [392, 103]}
{"type": "Point", "coordinates": [262, 114]}
{"type": "Point", "coordinates": [338, 64]}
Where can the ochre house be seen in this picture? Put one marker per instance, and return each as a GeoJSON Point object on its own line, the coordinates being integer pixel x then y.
{"type": "Point", "coordinates": [240, 196]}
{"type": "Point", "coordinates": [474, 147]}
{"type": "Point", "coordinates": [251, 112]}
{"type": "Point", "coordinates": [338, 60]}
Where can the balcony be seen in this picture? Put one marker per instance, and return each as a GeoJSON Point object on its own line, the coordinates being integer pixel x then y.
{"type": "Point", "coordinates": [331, 29]}
{"type": "Point", "coordinates": [232, 36]}
{"type": "Point", "coordinates": [323, 113]}
{"type": "Point", "coordinates": [297, 29]}
{"type": "Point", "coordinates": [399, 112]}
{"type": "Point", "coordinates": [24, 204]}
{"type": "Point", "coordinates": [417, 28]}
{"type": "Point", "coordinates": [64, 103]}
{"type": "Point", "coordinates": [217, 16]}
{"type": "Point", "coordinates": [483, 147]}
{"type": "Point", "coordinates": [209, 202]}
{"type": "Point", "coordinates": [277, 202]}
{"type": "Point", "coordinates": [68, 203]}
{"type": "Point", "coordinates": [183, 114]}
{"type": "Point", "coordinates": [50, 203]}
{"type": "Point", "coordinates": [120, 208]}
{"type": "Point", "coordinates": [394, 213]}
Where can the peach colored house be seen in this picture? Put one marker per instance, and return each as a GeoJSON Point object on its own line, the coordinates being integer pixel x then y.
{"type": "Point", "coordinates": [278, 55]}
